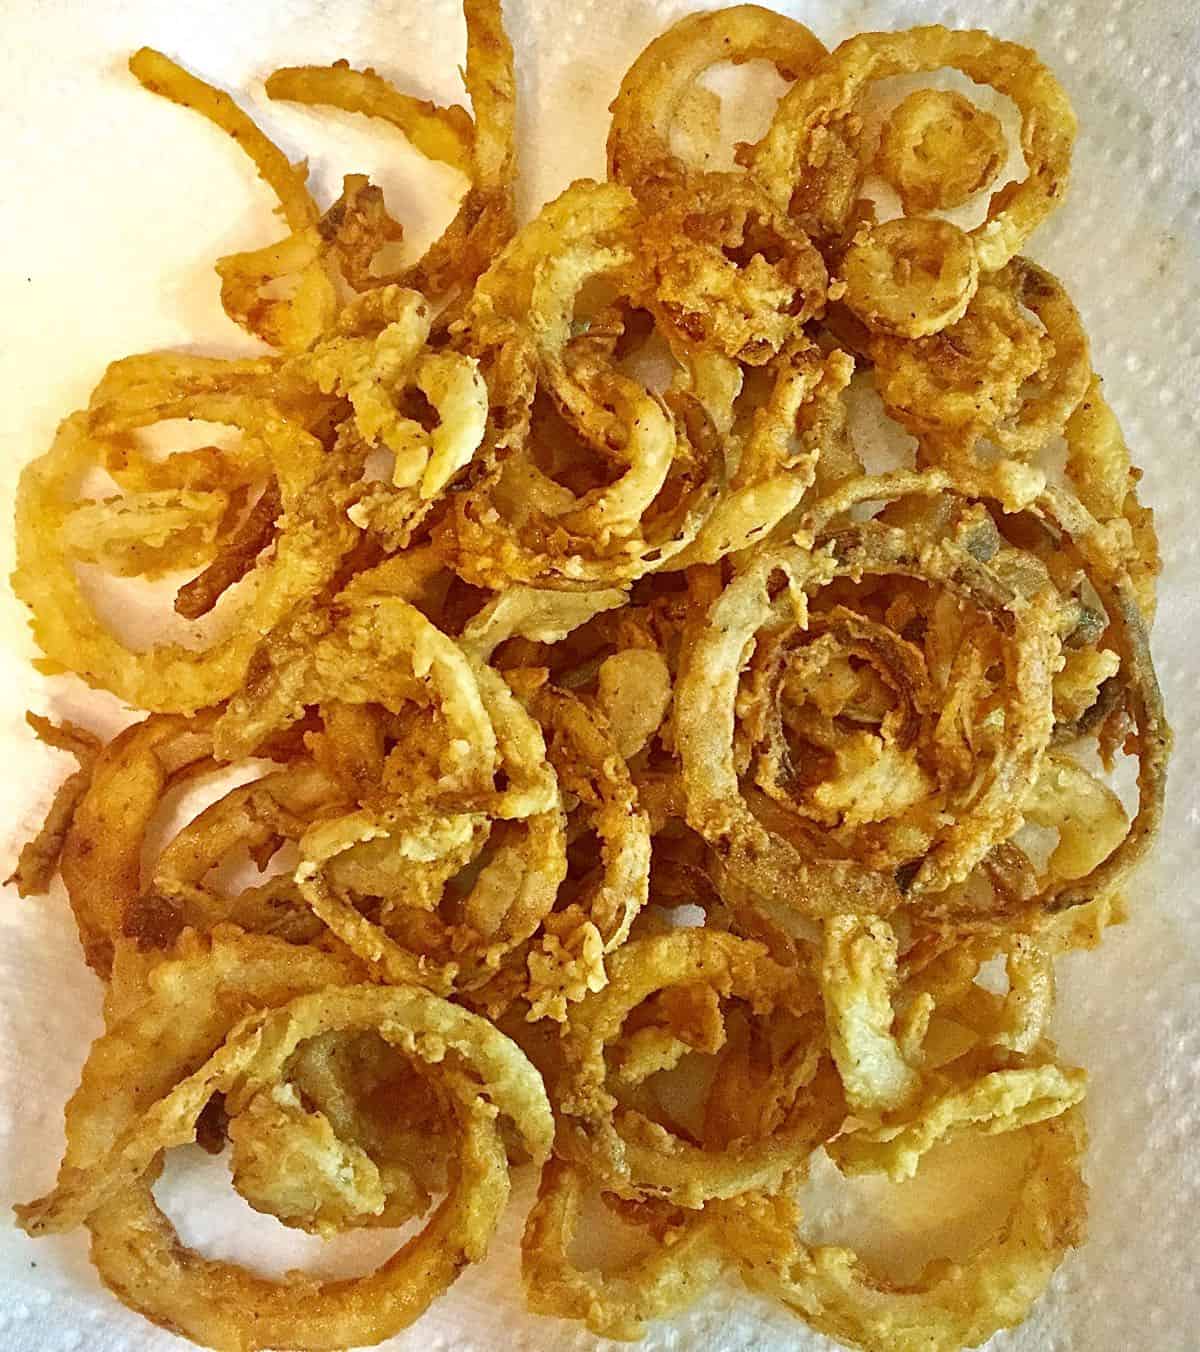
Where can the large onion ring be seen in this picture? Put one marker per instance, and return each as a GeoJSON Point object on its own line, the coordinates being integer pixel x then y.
{"type": "Point", "coordinates": [951, 1305]}
{"type": "Point", "coordinates": [811, 113]}
{"type": "Point", "coordinates": [169, 678]}
{"type": "Point", "coordinates": [707, 692]}
{"type": "Point", "coordinates": [140, 1094]}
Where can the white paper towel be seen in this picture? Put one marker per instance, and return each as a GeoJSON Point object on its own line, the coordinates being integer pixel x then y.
{"type": "Point", "coordinates": [115, 207]}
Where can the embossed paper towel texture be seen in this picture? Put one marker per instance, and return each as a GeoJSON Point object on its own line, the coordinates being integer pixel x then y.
{"type": "Point", "coordinates": [116, 205]}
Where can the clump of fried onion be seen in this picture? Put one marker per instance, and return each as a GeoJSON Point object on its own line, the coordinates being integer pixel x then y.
{"type": "Point", "coordinates": [584, 760]}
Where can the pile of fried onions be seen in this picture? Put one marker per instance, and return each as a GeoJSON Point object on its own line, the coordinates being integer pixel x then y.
{"type": "Point", "coordinates": [601, 768]}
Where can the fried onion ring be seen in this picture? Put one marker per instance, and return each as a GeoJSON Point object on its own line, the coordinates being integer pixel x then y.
{"type": "Point", "coordinates": [135, 1100]}
{"type": "Point", "coordinates": [937, 149]}
{"type": "Point", "coordinates": [819, 113]}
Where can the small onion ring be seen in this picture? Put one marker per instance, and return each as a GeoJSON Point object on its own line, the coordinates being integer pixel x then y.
{"type": "Point", "coordinates": [937, 149]}
{"type": "Point", "coordinates": [911, 276]}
